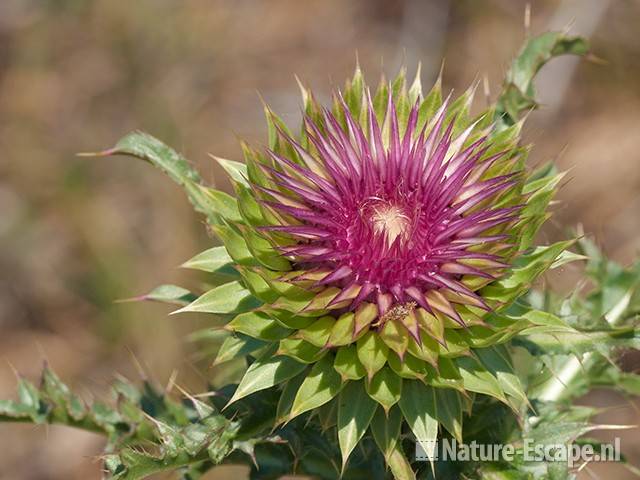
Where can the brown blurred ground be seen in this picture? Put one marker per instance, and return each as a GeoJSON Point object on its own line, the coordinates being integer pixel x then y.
{"type": "Point", "coordinates": [76, 234]}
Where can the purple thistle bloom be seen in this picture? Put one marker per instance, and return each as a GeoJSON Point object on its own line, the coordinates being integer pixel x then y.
{"type": "Point", "coordinates": [393, 214]}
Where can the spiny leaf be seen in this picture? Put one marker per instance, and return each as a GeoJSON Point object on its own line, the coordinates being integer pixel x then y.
{"type": "Point", "coordinates": [319, 331]}
{"type": "Point", "coordinates": [258, 325]}
{"type": "Point", "coordinates": [477, 379]}
{"type": "Point", "coordinates": [236, 346]}
{"type": "Point", "coordinates": [171, 294]}
{"type": "Point", "coordinates": [348, 365]}
{"type": "Point", "coordinates": [498, 362]}
{"type": "Point", "coordinates": [355, 411]}
{"type": "Point", "coordinates": [265, 372]}
{"type": "Point", "coordinates": [518, 94]}
{"type": "Point", "coordinates": [386, 430]}
{"type": "Point", "coordinates": [231, 297]}
{"type": "Point", "coordinates": [300, 350]}
{"type": "Point", "coordinates": [418, 407]}
{"type": "Point", "coordinates": [210, 260]}
{"type": "Point", "coordinates": [395, 337]}
{"type": "Point", "coordinates": [372, 352]}
{"type": "Point", "coordinates": [236, 170]}
{"type": "Point", "coordinates": [342, 330]}
{"type": "Point", "coordinates": [288, 396]}
{"type": "Point", "coordinates": [234, 244]}
{"type": "Point", "coordinates": [321, 385]}
{"type": "Point", "coordinates": [385, 388]}
{"type": "Point", "coordinates": [399, 465]}
{"type": "Point", "coordinates": [146, 147]}
{"type": "Point", "coordinates": [449, 411]}
{"type": "Point", "coordinates": [408, 367]}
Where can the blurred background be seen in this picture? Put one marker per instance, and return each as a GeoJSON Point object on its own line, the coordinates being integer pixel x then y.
{"type": "Point", "coordinates": [76, 234]}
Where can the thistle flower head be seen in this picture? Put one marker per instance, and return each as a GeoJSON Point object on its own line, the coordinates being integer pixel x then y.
{"type": "Point", "coordinates": [377, 251]}
{"type": "Point", "coordinates": [394, 214]}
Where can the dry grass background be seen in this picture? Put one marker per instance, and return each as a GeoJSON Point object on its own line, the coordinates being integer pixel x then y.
{"type": "Point", "coordinates": [76, 234]}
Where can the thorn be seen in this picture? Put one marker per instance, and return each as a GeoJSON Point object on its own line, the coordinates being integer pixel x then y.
{"type": "Point", "coordinates": [590, 57]}
{"type": "Point", "coordinates": [103, 153]}
{"type": "Point", "coordinates": [171, 382]}
{"type": "Point", "coordinates": [14, 370]}
{"type": "Point", "coordinates": [138, 365]}
{"type": "Point", "coordinates": [304, 91]}
{"type": "Point", "coordinates": [440, 73]}
{"type": "Point", "coordinates": [139, 298]}
{"type": "Point", "coordinates": [527, 20]}
{"type": "Point", "coordinates": [486, 88]}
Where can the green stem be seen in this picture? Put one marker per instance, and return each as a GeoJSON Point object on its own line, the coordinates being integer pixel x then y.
{"type": "Point", "coordinates": [556, 388]}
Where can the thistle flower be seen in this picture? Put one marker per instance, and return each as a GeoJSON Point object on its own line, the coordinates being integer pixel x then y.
{"type": "Point", "coordinates": [377, 253]}
{"type": "Point", "coordinates": [400, 219]}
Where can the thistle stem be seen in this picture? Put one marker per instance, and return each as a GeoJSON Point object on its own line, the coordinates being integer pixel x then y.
{"type": "Point", "coordinates": [555, 389]}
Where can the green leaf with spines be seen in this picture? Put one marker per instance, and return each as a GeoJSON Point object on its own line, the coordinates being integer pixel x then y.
{"type": "Point", "coordinates": [342, 331]}
{"type": "Point", "coordinates": [458, 111]}
{"type": "Point", "coordinates": [428, 349]}
{"type": "Point", "coordinates": [527, 269]}
{"type": "Point", "coordinates": [220, 203]}
{"type": "Point", "coordinates": [498, 362]}
{"type": "Point", "coordinates": [399, 465]}
{"type": "Point", "coordinates": [347, 363]}
{"type": "Point", "coordinates": [211, 260]}
{"type": "Point", "coordinates": [455, 344]}
{"type": "Point", "coordinates": [449, 411]}
{"type": "Point", "coordinates": [258, 325]}
{"type": "Point", "coordinates": [365, 314]}
{"type": "Point", "coordinates": [266, 372]}
{"type": "Point", "coordinates": [237, 171]}
{"type": "Point", "coordinates": [395, 336]}
{"type": "Point", "coordinates": [262, 251]}
{"type": "Point", "coordinates": [432, 324]}
{"type": "Point", "coordinates": [283, 287]}
{"type": "Point", "coordinates": [327, 415]}
{"type": "Point", "coordinates": [386, 427]}
{"type": "Point", "coordinates": [171, 294]}
{"type": "Point", "coordinates": [447, 375]}
{"type": "Point", "coordinates": [231, 297]}
{"type": "Point", "coordinates": [321, 385]}
{"type": "Point", "coordinates": [477, 378]}
{"type": "Point", "coordinates": [236, 346]}
{"type": "Point", "coordinates": [297, 306]}
{"type": "Point", "coordinates": [385, 388]}
{"type": "Point", "coordinates": [418, 408]}
{"type": "Point", "coordinates": [430, 105]}
{"type": "Point", "coordinates": [372, 353]}
{"type": "Point", "coordinates": [518, 94]}
{"type": "Point", "coordinates": [288, 319]}
{"type": "Point", "coordinates": [257, 285]}
{"type": "Point", "coordinates": [354, 93]}
{"type": "Point", "coordinates": [321, 300]}
{"type": "Point", "coordinates": [408, 367]}
{"type": "Point", "coordinates": [287, 397]}
{"type": "Point", "coordinates": [302, 351]}
{"type": "Point", "coordinates": [380, 101]}
{"type": "Point", "coordinates": [355, 412]}
{"type": "Point", "coordinates": [319, 331]}
{"type": "Point", "coordinates": [251, 211]}
{"type": "Point", "coordinates": [234, 244]}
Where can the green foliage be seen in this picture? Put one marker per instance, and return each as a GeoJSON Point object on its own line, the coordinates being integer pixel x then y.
{"type": "Point", "coordinates": [518, 94]}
